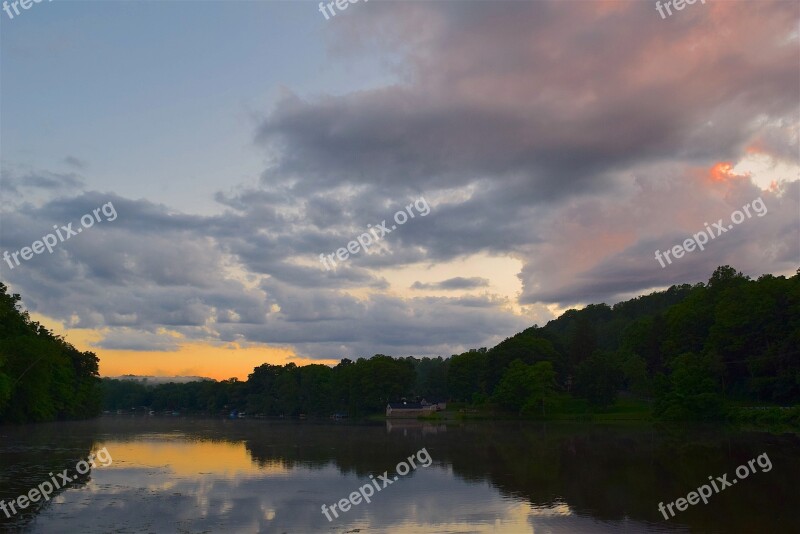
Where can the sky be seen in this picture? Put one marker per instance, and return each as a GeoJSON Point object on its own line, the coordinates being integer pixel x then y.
{"type": "Point", "coordinates": [546, 150]}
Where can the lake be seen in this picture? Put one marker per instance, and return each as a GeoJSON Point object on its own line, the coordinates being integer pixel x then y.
{"type": "Point", "coordinates": [176, 474]}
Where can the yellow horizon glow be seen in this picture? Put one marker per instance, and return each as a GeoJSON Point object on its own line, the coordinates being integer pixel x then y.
{"type": "Point", "coordinates": [219, 361]}
{"type": "Point", "coordinates": [223, 459]}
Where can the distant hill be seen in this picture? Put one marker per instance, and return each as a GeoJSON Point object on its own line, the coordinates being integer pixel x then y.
{"type": "Point", "coordinates": [156, 380]}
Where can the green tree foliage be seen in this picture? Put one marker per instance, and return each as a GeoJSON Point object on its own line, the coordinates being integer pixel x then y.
{"type": "Point", "coordinates": [430, 377]}
{"type": "Point", "coordinates": [358, 388]}
{"type": "Point", "coordinates": [634, 373]}
{"type": "Point", "coordinates": [598, 379]}
{"type": "Point", "coordinates": [381, 379]}
{"type": "Point", "coordinates": [691, 391]}
{"type": "Point", "coordinates": [529, 346]}
{"type": "Point", "coordinates": [525, 385]}
{"type": "Point", "coordinates": [467, 374]}
{"type": "Point", "coordinates": [42, 377]}
{"type": "Point", "coordinates": [584, 340]}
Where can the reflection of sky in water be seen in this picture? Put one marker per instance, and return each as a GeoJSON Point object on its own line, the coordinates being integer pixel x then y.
{"type": "Point", "coordinates": [167, 484]}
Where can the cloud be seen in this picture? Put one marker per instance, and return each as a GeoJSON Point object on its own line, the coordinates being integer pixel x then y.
{"type": "Point", "coordinates": [603, 262]}
{"type": "Point", "coordinates": [128, 339]}
{"type": "Point", "coordinates": [72, 161]}
{"type": "Point", "coordinates": [16, 184]}
{"type": "Point", "coordinates": [458, 282]}
{"type": "Point", "coordinates": [223, 278]}
{"type": "Point", "coordinates": [575, 138]}
{"type": "Point", "coordinates": [507, 90]}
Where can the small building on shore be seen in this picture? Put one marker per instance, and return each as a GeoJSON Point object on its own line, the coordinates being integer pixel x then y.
{"type": "Point", "coordinates": [435, 406]}
{"type": "Point", "coordinates": [404, 409]}
{"type": "Point", "coordinates": [410, 409]}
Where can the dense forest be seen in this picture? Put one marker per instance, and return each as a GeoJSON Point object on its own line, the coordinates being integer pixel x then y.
{"type": "Point", "coordinates": [690, 352]}
{"type": "Point", "coordinates": [42, 377]}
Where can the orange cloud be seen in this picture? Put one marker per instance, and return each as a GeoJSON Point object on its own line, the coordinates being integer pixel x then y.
{"type": "Point", "coordinates": [723, 172]}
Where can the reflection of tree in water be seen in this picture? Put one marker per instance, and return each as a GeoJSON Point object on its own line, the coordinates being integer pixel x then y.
{"type": "Point", "coordinates": [26, 462]}
{"type": "Point", "coordinates": [606, 472]}
{"type": "Point", "coordinates": [362, 450]}
{"type": "Point", "coordinates": [609, 473]}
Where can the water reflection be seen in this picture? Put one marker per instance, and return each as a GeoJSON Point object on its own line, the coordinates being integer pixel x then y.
{"type": "Point", "coordinates": [35, 454]}
{"type": "Point", "coordinates": [189, 475]}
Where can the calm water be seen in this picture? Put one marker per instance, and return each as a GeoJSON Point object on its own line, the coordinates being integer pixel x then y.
{"type": "Point", "coordinates": [195, 475]}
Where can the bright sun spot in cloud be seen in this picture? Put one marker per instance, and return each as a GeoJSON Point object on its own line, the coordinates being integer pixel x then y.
{"type": "Point", "coordinates": [765, 171]}
{"type": "Point", "coordinates": [723, 171]}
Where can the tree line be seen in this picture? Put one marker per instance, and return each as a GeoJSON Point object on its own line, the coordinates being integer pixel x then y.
{"type": "Point", "coordinates": [691, 351]}
{"type": "Point", "coordinates": [42, 377]}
